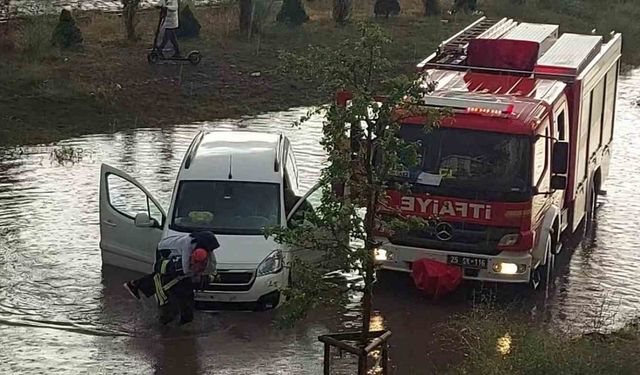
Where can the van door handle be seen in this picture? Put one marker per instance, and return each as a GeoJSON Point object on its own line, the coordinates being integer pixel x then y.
{"type": "Point", "coordinates": [110, 223]}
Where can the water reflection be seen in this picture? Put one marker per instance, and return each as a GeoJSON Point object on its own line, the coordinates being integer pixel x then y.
{"type": "Point", "coordinates": [59, 309]}
{"type": "Point", "coordinates": [503, 345]}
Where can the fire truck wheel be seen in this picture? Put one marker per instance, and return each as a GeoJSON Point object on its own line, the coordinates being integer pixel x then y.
{"type": "Point", "coordinates": [591, 210]}
{"type": "Point", "coordinates": [542, 276]}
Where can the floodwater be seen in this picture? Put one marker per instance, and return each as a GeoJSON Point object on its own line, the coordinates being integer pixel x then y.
{"type": "Point", "coordinates": [62, 312]}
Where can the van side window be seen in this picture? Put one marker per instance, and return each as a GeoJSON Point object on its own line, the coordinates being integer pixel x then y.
{"type": "Point", "coordinates": [290, 186]}
{"type": "Point", "coordinates": [292, 170]}
{"type": "Point", "coordinates": [561, 125]}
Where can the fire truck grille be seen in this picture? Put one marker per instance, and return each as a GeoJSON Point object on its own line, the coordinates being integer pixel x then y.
{"type": "Point", "coordinates": [464, 237]}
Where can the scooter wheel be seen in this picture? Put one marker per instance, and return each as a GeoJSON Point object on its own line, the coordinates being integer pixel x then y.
{"type": "Point", "coordinates": [153, 57]}
{"type": "Point", "coordinates": [194, 58]}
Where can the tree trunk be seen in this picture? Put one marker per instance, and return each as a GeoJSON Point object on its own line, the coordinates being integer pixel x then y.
{"type": "Point", "coordinates": [369, 226]}
{"type": "Point", "coordinates": [129, 15]}
{"type": "Point", "coordinates": [245, 14]}
{"type": "Point", "coordinates": [341, 11]}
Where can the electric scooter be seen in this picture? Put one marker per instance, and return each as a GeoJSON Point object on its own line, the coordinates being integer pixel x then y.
{"type": "Point", "coordinates": [155, 56]}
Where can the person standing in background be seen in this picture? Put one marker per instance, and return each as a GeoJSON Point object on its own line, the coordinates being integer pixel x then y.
{"type": "Point", "coordinates": [169, 12]}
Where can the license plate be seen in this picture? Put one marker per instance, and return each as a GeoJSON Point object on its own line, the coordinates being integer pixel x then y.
{"type": "Point", "coordinates": [467, 262]}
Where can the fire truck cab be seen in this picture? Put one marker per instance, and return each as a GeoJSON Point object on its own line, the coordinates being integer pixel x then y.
{"type": "Point", "coordinates": [522, 158]}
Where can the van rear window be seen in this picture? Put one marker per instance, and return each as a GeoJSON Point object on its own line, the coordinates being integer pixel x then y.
{"type": "Point", "coordinates": [226, 207]}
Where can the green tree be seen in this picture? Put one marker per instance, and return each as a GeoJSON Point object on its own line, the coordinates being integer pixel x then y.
{"type": "Point", "coordinates": [363, 149]}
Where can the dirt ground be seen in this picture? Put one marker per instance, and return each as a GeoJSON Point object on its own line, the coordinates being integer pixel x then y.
{"type": "Point", "coordinates": [47, 94]}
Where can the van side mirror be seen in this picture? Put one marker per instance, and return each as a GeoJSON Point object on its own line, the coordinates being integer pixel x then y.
{"type": "Point", "coordinates": [558, 182]}
{"type": "Point", "coordinates": [142, 220]}
{"type": "Point", "coordinates": [560, 162]}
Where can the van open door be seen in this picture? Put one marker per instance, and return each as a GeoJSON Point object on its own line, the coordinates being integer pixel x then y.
{"type": "Point", "coordinates": [131, 221]}
{"type": "Point", "coordinates": [307, 203]}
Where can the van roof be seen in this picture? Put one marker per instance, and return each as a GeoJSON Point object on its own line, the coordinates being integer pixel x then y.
{"type": "Point", "coordinates": [236, 156]}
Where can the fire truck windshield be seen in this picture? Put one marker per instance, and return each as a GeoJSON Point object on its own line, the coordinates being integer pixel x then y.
{"type": "Point", "coordinates": [469, 163]}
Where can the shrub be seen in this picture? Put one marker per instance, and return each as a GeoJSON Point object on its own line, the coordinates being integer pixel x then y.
{"type": "Point", "coordinates": [386, 8]}
{"type": "Point", "coordinates": [189, 24]}
{"type": "Point", "coordinates": [292, 13]}
{"type": "Point", "coordinates": [66, 34]}
{"type": "Point", "coordinates": [431, 8]}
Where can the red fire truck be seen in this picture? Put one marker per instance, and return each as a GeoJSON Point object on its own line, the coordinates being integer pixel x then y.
{"type": "Point", "coordinates": [521, 160]}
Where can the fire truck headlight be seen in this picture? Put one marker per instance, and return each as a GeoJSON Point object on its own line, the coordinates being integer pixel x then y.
{"type": "Point", "coordinates": [509, 239]}
{"type": "Point", "coordinates": [382, 255]}
{"type": "Point", "coordinates": [509, 268]}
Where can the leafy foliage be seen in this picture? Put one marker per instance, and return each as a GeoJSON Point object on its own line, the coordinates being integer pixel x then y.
{"type": "Point", "coordinates": [292, 13]}
{"type": "Point", "coordinates": [66, 34]}
{"type": "Point", "coordinates": [386, 8]}
{"type": "Point", "coordinates": [363, 150]}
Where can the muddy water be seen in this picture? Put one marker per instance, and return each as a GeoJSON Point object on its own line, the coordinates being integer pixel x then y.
{"type": "Point", "coordinates": [62, 312]}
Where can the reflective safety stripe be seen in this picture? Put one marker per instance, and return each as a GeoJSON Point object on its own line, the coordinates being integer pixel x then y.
{"type": "Point", "coordinates": [160, 295]}
{"type": "Point", "coordinates": [171, 283]}
{"type": "Point", "coordinates": [163, 266]}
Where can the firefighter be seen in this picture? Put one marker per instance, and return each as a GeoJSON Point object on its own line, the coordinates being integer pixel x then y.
{"type": "Point", "coordinates": [182, 262]}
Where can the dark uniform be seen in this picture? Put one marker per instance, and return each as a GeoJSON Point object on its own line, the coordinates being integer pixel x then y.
{"type": "Point", "coordinates": [173, 281]}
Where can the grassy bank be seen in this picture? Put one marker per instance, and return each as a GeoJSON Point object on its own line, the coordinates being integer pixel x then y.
{"type": "Point", "coordinates": [46, 95]}
{"type": "Point", "coordinates": [496, 343]}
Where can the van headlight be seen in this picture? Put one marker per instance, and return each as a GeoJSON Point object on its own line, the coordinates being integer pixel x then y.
{"type": "Point", "coordinates": [271, 264]}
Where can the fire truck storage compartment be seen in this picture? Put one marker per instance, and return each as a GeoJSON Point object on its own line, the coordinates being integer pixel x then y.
{"type": "Point", "coordinates": [570, 54]}
{"type": "Point", "coordinates": [543, 34]}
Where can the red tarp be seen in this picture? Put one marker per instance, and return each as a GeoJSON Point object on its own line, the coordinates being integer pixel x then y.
{"type": "Point", "coordinates": [503, 54]}
{"type": "Point", "coordinates": [435, 278]}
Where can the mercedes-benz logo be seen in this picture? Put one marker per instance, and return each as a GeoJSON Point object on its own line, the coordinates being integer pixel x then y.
{"type": "Point", "coordinates": [444, 231]}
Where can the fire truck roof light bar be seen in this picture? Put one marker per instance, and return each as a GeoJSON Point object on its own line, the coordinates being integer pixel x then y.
{"type": "Point", "coordinates": [470, 105]}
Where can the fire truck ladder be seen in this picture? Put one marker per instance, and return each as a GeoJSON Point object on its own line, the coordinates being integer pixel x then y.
{"type": "Point", "coordinates": [453, 51]}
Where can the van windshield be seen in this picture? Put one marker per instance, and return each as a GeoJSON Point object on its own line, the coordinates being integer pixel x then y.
{"type": "Point", "coordinates": [469, 161]}
{"type": "Point", "coordinates": [226, 207]}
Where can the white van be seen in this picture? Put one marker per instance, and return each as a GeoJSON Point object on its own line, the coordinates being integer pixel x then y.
{"type": "Point", "coordinates": [232, 183]}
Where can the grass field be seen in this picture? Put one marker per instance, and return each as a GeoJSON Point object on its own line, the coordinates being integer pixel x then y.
{"type": "Point", "coordinates": [46, 94]}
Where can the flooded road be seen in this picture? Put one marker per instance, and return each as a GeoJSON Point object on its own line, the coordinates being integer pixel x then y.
{"type": "Point", "coordinates": [62, 312]}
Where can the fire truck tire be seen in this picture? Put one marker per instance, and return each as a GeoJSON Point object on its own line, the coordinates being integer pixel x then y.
{"type": "Point", "coordinates": [542, 276]}
{"type": "Point", "coordinates": [591, 210]}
